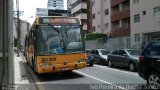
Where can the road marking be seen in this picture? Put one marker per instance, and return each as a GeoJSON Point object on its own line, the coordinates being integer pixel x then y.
{"type": "Point", "coordinates": [100, 80]}
{"type": "Point", "coordinates": [116, 70]}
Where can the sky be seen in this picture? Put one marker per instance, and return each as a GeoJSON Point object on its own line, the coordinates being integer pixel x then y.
{"type": "Point", "coordinates": [29, 8]}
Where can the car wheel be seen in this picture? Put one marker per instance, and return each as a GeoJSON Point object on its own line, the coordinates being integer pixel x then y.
{"type": "Point", "coordinates": [90, 64]}
{"type": "Point", "coordinates": [110, 63]}
{"type": "Point", "coordinates": [153, 80]}
{"type": "Point", "coordinates": [132, 66]}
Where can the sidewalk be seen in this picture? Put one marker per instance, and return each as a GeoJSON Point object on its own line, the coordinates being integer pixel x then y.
{"type": "Point", "coordinates": [22, 77]}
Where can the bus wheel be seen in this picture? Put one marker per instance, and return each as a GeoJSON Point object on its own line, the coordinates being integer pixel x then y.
{"type": "Point", "coordinates": [32, 62]}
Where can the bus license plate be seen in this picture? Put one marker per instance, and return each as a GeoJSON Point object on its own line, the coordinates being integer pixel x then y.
{"type": "Point", "coordinates": [65, 68]}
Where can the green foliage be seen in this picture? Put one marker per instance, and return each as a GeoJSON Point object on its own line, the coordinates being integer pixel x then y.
{"type": "Point", "coordinates": [94, 36]}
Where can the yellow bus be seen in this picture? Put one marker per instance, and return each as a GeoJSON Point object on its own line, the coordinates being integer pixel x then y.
{"type": "Point", "coordinates": [55, 44]}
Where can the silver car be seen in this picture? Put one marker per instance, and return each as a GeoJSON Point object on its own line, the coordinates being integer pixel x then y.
{"type": "Point", "coordinates": [100, 56]}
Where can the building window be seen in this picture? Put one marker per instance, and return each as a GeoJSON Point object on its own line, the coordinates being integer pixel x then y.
{"type": "Point", "coordinates": [106, 12]}
{"type": "Point", "coordinates": [115, 25]}
{"type": "Point", "coordinates": [93, 16]}
{"type": "Point", "coordinates": [93, 28]}
{"type": "Point", "coordinates": [93, 3]}
{"type": "Point", "coordinates": [106, 25]}
{"type": "Point", "coordinates": [144, 12]}
{"type": "Point", "coordinates": [135, 1]}
{"type": "Point", "coordinates": [136, 18]}
{"type": "Point", "coordinates": [157, 11]}
{"type": "Point", "coordinates": [125, 6]}
{"type": "Point", "coordinates": [125, 23]}
{"type": "Point", "coordinates": [115, 10]}
{"type": "Point", "coordinates": [137, 37]}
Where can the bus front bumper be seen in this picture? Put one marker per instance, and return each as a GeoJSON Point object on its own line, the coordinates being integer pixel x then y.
{"type": "Point", "coordinates": [61, 67]}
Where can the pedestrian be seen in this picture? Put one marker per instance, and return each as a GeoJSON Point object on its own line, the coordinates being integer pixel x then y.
{"type": "Point", "coordinates": [143, 45]}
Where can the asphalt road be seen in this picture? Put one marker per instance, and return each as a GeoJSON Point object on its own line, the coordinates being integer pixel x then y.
{"type": "Point", "coordinates": [91, 78]}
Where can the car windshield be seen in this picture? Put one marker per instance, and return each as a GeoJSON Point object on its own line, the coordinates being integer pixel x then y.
{"type": "Point", "coordinates": [56, 39]}
{"type": "Point", "coordinates": [104, 52]}
{"type": "Point", "coordinates": [134, 52]}
{"type": "Point", "coordinates": [153, 49]}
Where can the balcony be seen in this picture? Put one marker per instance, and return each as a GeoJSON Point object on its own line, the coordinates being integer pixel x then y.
{"type": "Point", "coordinates": [123, 31]}
{"type": "Point", "coordinates": [120, 15]}
{"type": "Point", "coordinates": [116, 2]}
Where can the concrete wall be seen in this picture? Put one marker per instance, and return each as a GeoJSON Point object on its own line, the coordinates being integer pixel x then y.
{"type": "Point", "coordinates": [95, 44]}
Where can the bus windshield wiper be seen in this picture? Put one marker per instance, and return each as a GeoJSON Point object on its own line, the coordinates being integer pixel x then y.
{"type": "Point", "coordinates": [66, 33]}
{"type": "Point", "coordinates": [55, 29]}
{"type": "Point", "coordinates": [67, 29]}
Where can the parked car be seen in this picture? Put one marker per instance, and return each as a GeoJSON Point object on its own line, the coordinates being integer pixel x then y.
{"type": "Point", "coordinates": [149, 65]}
{"type": "Point", "coordinates": [124, 58]}
{"type": "Point", "coordinates": [100, 56]}
{"type": "Point", "coordinates": [90, 61]}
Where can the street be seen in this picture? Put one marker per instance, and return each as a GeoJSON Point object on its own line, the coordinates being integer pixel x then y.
{"type": "Point", "coordinates": [91, 78]}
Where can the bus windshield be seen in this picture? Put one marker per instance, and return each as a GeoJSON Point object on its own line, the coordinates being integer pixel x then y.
{"type": "Point", "coordinates": [60, 39]}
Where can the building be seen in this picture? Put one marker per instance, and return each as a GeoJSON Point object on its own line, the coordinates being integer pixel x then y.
{"type": "Point", "coordinates": [24, 28]}
{"type": "Point", "coordinates": [56, 4]}
{"type": "Point", "coordinates": [101, 16]}
{"type": "Point", "coordinates": [69, 6]}
{"type": "Point", "coordinates": [80, 10]}
{"type": "Point", "coordinates": [120, 24]}
{"type": "Point", "coordinates": [89, 16]}
{"type": "Point", "coordinates": [145, 21]}
{"type": "Point", "coordinates": [41, 12]}
{"type": "Point", "coordinates": [52, 12]}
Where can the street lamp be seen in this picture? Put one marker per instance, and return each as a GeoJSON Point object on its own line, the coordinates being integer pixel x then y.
{"type": "Point", "coordinates": [29, 18]}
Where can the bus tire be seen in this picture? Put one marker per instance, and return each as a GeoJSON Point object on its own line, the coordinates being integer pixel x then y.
{"type": "Point", "coordinates": [32, 62]}
{"type": "Point", "coordinates": [34, 66]}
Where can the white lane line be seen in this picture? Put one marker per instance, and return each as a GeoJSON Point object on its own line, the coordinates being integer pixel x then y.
{"type": "Point", "coordinates": [100, 80]}
{"type": "Point", "coordinates": [116, 70]}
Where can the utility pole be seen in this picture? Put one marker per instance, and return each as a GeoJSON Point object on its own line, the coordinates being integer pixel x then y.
{"type": "Point", "coordinates": [18, 28]}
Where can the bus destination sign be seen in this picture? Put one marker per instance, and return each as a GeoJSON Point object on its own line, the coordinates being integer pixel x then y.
{"type": "Point", "coordinates": [56, 20]}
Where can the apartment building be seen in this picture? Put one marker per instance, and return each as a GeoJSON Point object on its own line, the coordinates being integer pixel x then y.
{"type": "Point", "coordinates": [41, 12]}
{"type": "Point", "coordinates": [120, 24]}
{"type": "Point", "coordinates": [101, 16]}
{"type": "Point", "coordinates": [55, 4]}
{"type": "Point", "coordinates": [79, 9]}
{"type": "Point", "coordinates": [145, 21]}
{"type": "Point", "coordinates": [69, 6]}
